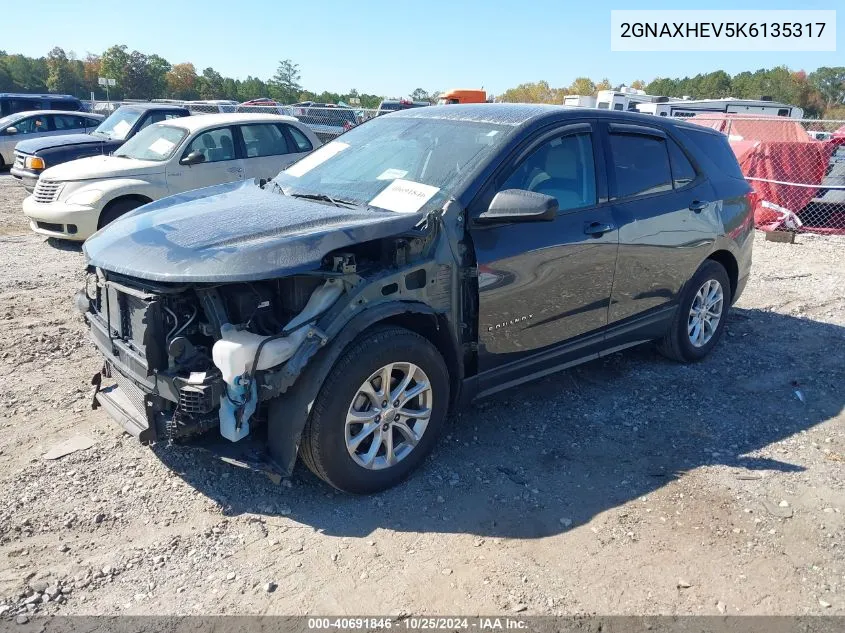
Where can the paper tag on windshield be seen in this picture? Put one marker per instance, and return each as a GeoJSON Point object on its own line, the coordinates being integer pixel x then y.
{"type": "Point", "coordinates": [404, 196]}
{"type": "Point", "coordinates": [120, 129]}
{"type": "Point", "coordinates": [317, 157]}
{"type": "Point", "coordinates": [391, 174]}
{"type": "Point", "coordinates": [161, 147]}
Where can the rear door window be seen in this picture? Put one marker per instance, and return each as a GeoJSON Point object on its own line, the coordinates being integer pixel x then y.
{"type": "Point", "coordinates": [640, 164]}
{"type": "Point", "coordinates": [264, 139]}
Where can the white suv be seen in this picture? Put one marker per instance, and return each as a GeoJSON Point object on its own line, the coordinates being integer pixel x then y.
{"type": "Point", "coordinates": [73, 200]}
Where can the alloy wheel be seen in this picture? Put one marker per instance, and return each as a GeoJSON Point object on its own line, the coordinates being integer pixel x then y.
{"type": "Point", "coordinates": [705, 313]}
{"type": "Point", "coordinates": [388, 415]}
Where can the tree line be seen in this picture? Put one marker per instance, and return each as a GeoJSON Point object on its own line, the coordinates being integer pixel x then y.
{"type": "Point", "coordinates": [820, 93]}
{"type": "Point", "coordinates": [141, 76]}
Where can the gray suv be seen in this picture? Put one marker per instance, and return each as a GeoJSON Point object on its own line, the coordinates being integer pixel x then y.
{"type": "Point", "coordinates": [429, 258]}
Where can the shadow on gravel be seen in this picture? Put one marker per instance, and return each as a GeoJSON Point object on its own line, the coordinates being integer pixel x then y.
{"type": "Point", "coordinates": [64, 245]}
{"type": "Point", "coordinates": [543, 458]}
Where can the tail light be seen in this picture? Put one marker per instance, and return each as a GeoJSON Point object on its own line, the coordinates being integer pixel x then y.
{"type": "Point", "coordinates": [753, 198]}
{"type": "Point", "coordinates": [348, 125]}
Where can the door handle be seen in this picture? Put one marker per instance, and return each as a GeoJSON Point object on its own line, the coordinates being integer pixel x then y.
{"type": "Point", "coordinates": [597, 229]}
{"type": "Point", "coordinates": [697, 206]}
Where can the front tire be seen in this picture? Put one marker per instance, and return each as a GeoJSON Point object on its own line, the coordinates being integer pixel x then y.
{"type": "Point", "coordinates": [363, 436]}
{"type": "Point", "coordinates": [702, 314]}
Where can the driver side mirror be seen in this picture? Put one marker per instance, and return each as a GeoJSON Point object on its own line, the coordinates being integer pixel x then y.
{"type": "Point", "coordinates": [194, 158]}
{"type": "Point", "coordinates": [519, 205]}
{"type": "Point", "coordinates": [11, 130]}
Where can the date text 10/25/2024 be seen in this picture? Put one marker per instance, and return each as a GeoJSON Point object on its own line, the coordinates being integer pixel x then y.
{"type": "Point", "coordinates": [492, 623]}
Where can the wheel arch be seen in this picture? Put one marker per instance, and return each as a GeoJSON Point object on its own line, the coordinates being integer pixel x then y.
{"type": "Point", "coordinates": [731, 266]}
{"type": "Point", "coordinates": [137, 197]}
{"type": "Point", "coordinates": [289, 412]}
{"type": "Point", "coordinates": [127, 197]}
{"type": "Point", "coordinates": [434, 328]}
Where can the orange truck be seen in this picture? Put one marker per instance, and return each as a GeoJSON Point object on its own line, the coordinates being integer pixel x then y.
{"type": "Point", "coordinates": [462, 96]}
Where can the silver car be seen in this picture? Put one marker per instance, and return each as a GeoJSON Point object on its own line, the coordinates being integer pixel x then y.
{"type": "Point", "coordinates": [32, 124]}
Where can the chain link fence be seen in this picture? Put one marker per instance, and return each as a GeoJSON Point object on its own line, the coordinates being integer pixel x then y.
{"type": "Point", "coordinates": [327, 122]}
{"type": "Point", "coordinates": [796, 167]}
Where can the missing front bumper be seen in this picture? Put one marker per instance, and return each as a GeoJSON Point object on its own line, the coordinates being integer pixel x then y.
{"type": "Point", "coordinates": [118, 405]}
{"type": "Point", "coordinates": [146, 415]}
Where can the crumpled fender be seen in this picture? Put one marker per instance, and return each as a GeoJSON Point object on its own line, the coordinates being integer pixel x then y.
{"type": "Point", "coordinates": [288, 413]}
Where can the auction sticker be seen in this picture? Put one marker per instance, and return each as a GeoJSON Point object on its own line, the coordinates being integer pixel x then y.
{"type": "Point", "coordinates": [120, 129]}
{"type": "Point", "coordinates": [392, 174]}
{"type": "Point", "coordinates": [317, 157]}
{"type": "Point", "coordinates": [161, 147]}
{"type": "Point", "coordinates": [404, 196]}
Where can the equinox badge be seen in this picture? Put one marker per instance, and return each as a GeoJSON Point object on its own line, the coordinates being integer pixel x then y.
{"type": "Point", "coordinates": [504, 324]}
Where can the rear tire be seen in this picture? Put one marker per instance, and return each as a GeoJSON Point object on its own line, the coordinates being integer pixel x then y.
{"type": "Point", "coordinates": [702, 314]}
{"type": "Point", "coordinates": [116, 209]}
{"type": "Point", "coordinates": [387, 444]}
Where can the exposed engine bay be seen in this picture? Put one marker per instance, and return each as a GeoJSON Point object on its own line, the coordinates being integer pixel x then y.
{"type": "Point", "coordinates": [164, 338]}
{"type": "Point", "coordinates": [186, 358]}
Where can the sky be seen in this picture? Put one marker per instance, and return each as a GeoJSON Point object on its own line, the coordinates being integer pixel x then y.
{"type": "Point", "coordinates": [389, 48]}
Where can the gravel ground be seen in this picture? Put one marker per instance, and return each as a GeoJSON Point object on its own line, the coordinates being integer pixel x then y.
{"type": "Point", "coordinates": [629, 485]}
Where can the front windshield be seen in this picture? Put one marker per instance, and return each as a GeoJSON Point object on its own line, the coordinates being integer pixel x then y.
{"type": "Point", "coordinates": [400, 164]}
{"type": "Point", "coordinates": [118, 124]}
{"type": "Point", "coordinates": [156, 143]}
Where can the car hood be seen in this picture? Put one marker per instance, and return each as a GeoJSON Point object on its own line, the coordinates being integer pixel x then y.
{"type": "Point", "coordinates": [100, 167]}
{"type": "Point", "coordinates": [234, 232]}
{"type": "Point", "coordinates": [32, 145]}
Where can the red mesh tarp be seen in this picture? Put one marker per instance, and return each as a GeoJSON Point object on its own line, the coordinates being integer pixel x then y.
{"type": "Point", "coordinates": [838, 137]}
{"type": "Point", "coordinates": [779, 151]}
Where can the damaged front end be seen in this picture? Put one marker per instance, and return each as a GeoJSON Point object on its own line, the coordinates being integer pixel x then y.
{"type": "Point", "coordinates": [183, 358]}
{"type": "Point", "coordinates": [187, 358]}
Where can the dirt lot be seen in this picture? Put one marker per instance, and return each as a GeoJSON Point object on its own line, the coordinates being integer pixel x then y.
{"type": "Point", "coordinates": [629, 485]}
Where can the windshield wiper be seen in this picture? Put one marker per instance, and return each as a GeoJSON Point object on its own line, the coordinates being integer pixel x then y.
{"type": "Point", "coordinates": [321, 197]}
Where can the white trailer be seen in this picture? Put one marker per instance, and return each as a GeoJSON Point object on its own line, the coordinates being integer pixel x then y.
{"type": "Point", "coordinates": [579, 101]}
{"type": "Point", "coordinates": [729, 105]}
{"type": "Point", "coordinates": [624, 100]}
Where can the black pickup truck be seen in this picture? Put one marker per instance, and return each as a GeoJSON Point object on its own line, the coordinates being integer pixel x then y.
{"type": "Point", "coordinates": [35, 155]}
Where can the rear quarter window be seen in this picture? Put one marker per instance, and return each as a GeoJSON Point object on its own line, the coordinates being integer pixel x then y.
{"type": "Point", "coordinates": [302, 142]}
{"type": "Point", "coordinates": [716, 148]}
{"type": "Point", "coordinates": [683, 172]}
